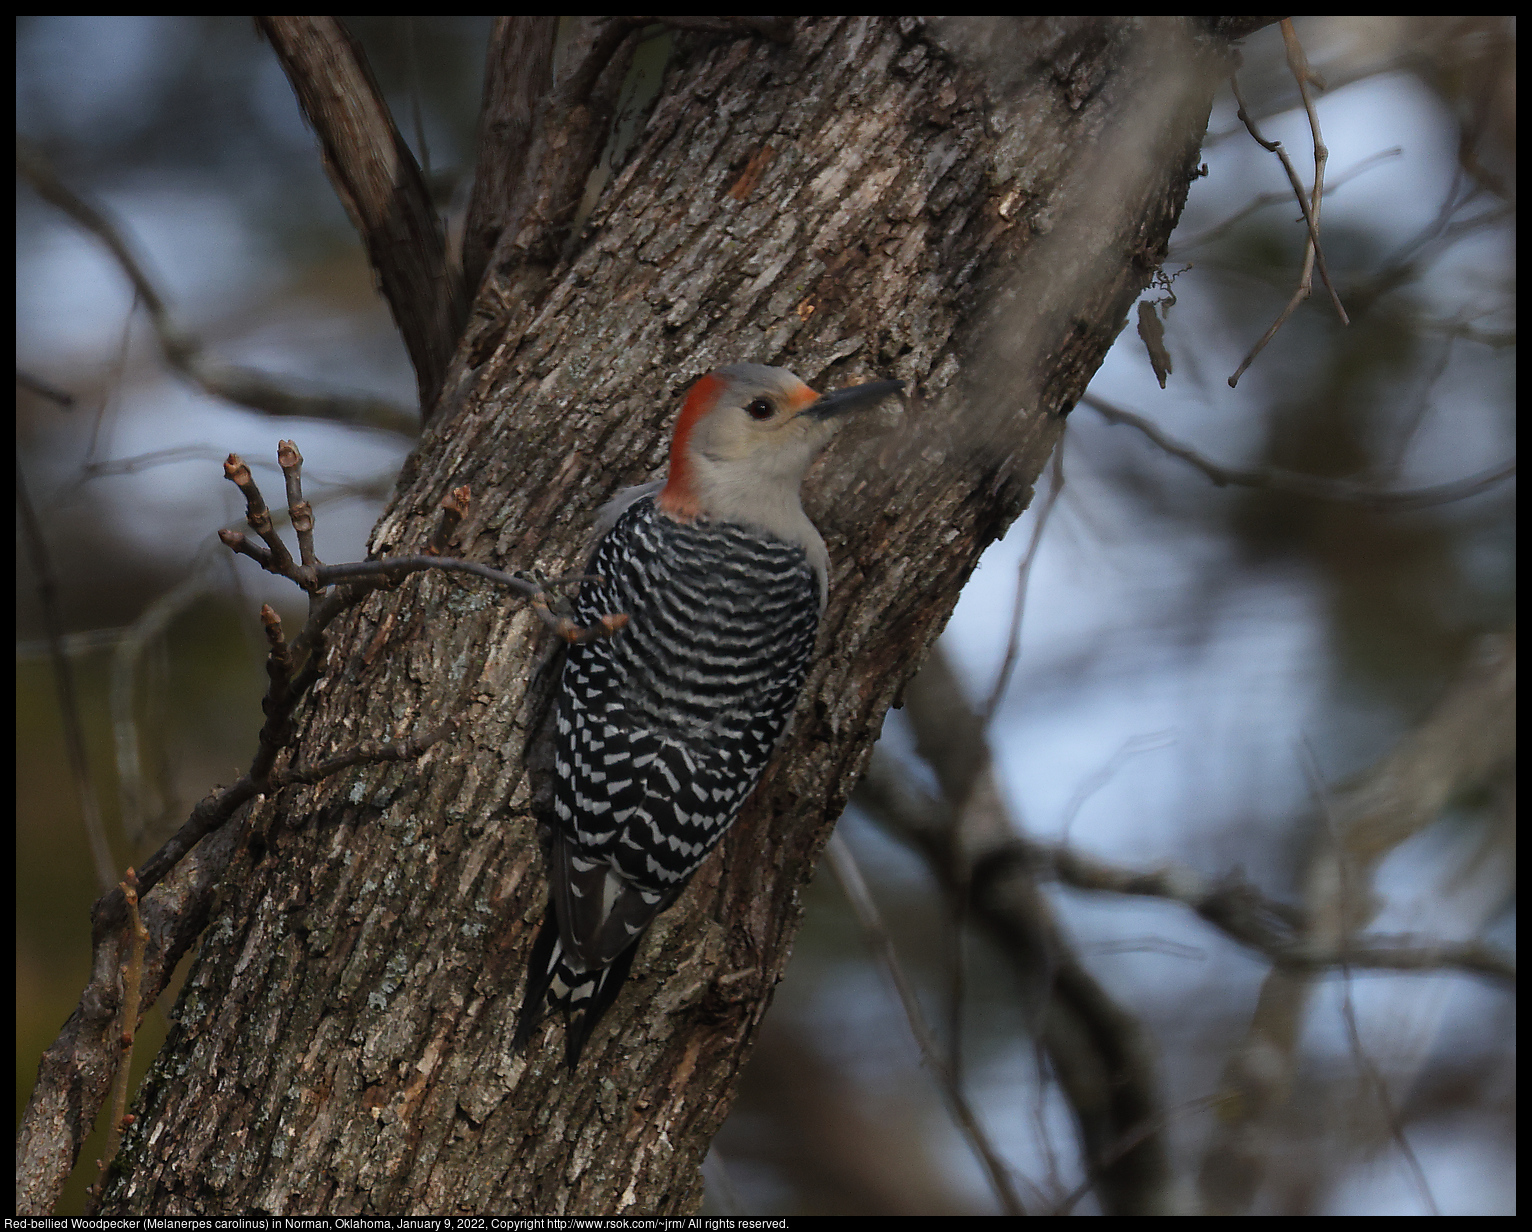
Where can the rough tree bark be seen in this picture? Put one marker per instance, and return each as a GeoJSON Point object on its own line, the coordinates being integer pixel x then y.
{"type": "Point", "coordinates": [971, 208]}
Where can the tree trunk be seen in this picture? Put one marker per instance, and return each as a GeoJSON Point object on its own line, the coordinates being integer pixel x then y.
{"type": "Point", "coordinates": [971, 207]}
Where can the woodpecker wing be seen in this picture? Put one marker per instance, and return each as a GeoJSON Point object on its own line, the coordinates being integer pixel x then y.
{"type": "Point", "coordinates": [660, 734]}
{"type": "Point", "coordinates": [664, 729]}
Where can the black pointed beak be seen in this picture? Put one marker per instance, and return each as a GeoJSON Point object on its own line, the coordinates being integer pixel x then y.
{"type": "Point", "coordinates": [855, 398]}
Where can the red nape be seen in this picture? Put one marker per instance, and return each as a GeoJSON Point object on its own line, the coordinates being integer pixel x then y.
{"type": "Point", "coordinates": [678, 497]}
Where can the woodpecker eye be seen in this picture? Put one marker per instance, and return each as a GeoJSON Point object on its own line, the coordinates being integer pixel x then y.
{"type": "Point", "coordinates": [760, 409]}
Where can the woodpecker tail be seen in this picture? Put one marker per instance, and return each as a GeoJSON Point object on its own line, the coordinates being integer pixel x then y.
{"type": "Point", "coordinates": [551, 977]}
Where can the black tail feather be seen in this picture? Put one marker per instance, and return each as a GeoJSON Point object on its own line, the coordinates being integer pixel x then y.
{"type": "Point", "coordinates": [582, 1009]}
{"type": "Point", "coordinates": [539, 978]}
{"type": "Point", "coordinates": [608, 985]}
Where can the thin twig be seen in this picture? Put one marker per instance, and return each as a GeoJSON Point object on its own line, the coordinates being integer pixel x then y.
{"type": "Point", "coordinates": [299, 512]}
{"type": "Point", "coordinates": [1312, 486]}
{"type": "Point", "coordinates": [376, 752]}
{"type": "Point", "coordinates": [314, 576]}
{"type": "Point", "coordinates": [1365, 1064]}
{"type": "Point", "coordinates": [42, 389]}
{"type": "Point", "coordinates": [1262, 200]}
{"type": "Point", "coordinates": [1311, 205]}
{"type": "Point", "coordinates": [104, 421]}
{"type": "Point", "coordinates": [259, 518]}
{"type": "Point", "coordinates": [1399, 449]}
{"type": "Point", "coordinates": [393, 568]}
{"type": "Point", "coordinates": [844, 865]}
{"type": "Point", "coordinates": [143, 461]}
{"type": "Point", "coordinates": [132, 990]}
{"type": "Point", "coordinates": [63, 679]}
{"type": "Point", "coordinates": [1298, 64]}
{"type": "Point", "coordinates": [1242, 913]}
{"type": "Point", "coordinates": [957, 989]}
{"type": "Point", "coordinates": [1092, 783]}
{"type": "Point", "coordinates": [1023, 575]}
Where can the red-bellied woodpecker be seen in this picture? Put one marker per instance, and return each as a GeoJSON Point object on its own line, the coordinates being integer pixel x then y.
{"type": "Point", "coordinates": [662, 730]}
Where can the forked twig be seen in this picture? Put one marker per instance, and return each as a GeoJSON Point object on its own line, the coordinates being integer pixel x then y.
{"type": "Point", "coordinates": [1309, 203]}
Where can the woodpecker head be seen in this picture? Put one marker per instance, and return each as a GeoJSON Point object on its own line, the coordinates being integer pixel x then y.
{"type": "Point", "coordinates": [746, 436]}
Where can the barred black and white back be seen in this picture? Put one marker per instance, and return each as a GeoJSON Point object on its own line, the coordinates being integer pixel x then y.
{"type": "Point", "coordinates": [662, 732]}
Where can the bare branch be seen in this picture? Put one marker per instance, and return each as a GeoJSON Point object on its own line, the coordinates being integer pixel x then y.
{"type": "Point", "coordinates": [132, 991]}
{"type": "Point", "coordinates": [43, 389]}
{"type": "Point", "coordinates": [145, 461]}
{"type": "Point", "coordinates": [379, 183]}
{"type": "Point", "coordinates": [1310, 204]}
{"type": "Point", "coordinates": [1023, 573]}
{"type": "Point", "coordinates": [393, 568]}
{"type": "Point", "coordinates": [315, 577]}
{"type": "Point", "coordinates": [1095, 1050]}
{"type": "Point", "coordinates": [1312, 486]}
{"type": "Point", "coordinates": [1242, 913]}
{"type": "Point", "coordinates": [369, 754]}
{"type": "Point", "coordinates": [183, 351]}
{"type": "Point", "coordinates": [75, 1072]}
{"type": "Point", "coordinates": [35, 168]}
{"type": "Point", "coordinates": [843, 862]}
{"type": "Point", "coordinates": [1467, 740]}
{"type": "Point", "coordinates": [1369, 952]}
{"type": "Point", "coordinates": [259, 518]}
{"type": "Point", "coordinates": [1364, 1061]}
{"type": "Point", "coordinates": [281, 400]}
{"type": "Point", "coordinates": [299, 512]}
{"type": "Point", "coordinates": [1298, 64]}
